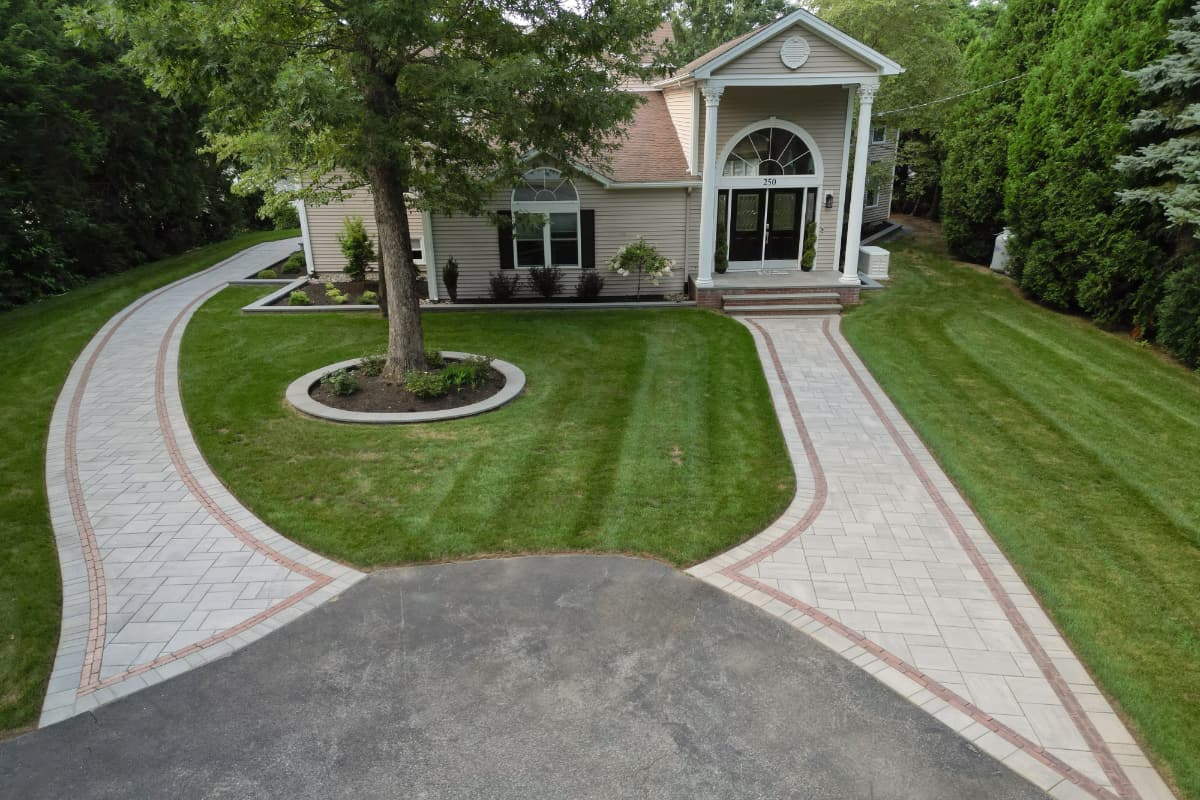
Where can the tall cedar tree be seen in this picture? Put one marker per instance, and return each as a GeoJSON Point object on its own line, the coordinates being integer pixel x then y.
{"type": "Point", "coordinates": [981, 124]}
{"type": "Point", "coordinates": [434, 101]}
{"type": "Point", "coordinates": [1075, 245]}
{"type": "Point", "coordinates": [99, 173]}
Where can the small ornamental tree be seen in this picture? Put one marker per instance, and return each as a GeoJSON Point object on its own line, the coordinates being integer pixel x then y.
{"type": "Point", "coordinates": [643, 259]}
{"type": "Point", "coordinates": [356, 247]}
{"type": "Point", "coordinates": [433, 104]}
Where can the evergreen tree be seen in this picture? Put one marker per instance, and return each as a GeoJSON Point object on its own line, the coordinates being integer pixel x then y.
{"type": "Point", "coordinates": [1165, 174]}
{"type": "Point", "coordinates": [981, 124]}
{"type": "Point", "coordinates": [1075, 246]}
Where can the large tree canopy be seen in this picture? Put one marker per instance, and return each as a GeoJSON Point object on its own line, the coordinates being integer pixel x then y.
{"type": "Point", "coordinates": [700, 25]}
{"type": "Point", "coordinates": [436, 101]}
{"type": "Point", "coordinates": [97, 173]}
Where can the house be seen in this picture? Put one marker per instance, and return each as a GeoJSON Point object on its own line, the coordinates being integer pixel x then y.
{"type": "Point", "coordinates": [750, 142]}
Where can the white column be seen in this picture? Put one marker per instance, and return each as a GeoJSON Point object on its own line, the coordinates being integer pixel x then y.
{"type": "Point", "coordinates": [302, 213]}
{"type": "Point", "coordinates": [708, 193]}
{"type": "Point", "coordinates": [858, 185]}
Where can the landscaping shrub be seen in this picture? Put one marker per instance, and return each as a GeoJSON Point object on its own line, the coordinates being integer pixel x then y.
{"type": "Point", "coordinates": [1179, 316]}
{"type": "Point", "coordinates": [371, 365]}
{"type": "Point", "coordinates": [267, 274]}
{"type": "Point", "coordinates": [590, 285]}
{"type": "Point", "coordinates": [298, 298]}
{"type": "Point", "coordinates": [370, 297]}
{"type": "Point", "coordinates": [341, 382]}
{"type": "Point", "coordinates": [504, 286]}
{"type": "Point", "coordinates": [470, 372]}
{"type": "Point", "coordinates": [546, 281]}
{"type": "Point", "coordinates": [426, 385]}
{"type": "Point", "coordinates": [810, 247]}
{"type": "Point", "coordinates": [434, 359]}
{"type": "Point", "coordinates": [450, 276]}
{"type": "Point", "coordinates": [335, 295]}
{"type": "Point", "coordinates": [356, 247]}
{"type": "Point", "coordinates": [295, 264]}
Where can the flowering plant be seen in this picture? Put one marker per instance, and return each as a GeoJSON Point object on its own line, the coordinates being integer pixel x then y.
{"type": "Point", "coordinates": [643, 259]}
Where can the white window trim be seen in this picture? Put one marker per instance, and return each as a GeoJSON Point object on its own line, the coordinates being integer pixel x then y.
{"type": "Point", "coordinates": [877, 191]}
{"type": "Point", "coordinates": [418, 243]}
{"type": "Point", "coordinates": [883, 139]}
{"type": "Point", "coordinates": [548, 207]}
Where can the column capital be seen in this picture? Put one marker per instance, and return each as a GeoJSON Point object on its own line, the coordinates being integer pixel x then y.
{"type": "Point", "coordinates": [866, 93]}
{"type": "Point", "coordinates": [712, 95]}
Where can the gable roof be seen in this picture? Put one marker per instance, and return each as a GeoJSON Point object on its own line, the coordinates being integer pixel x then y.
{"type": "Point", "coordinates": [649, 151]}
{"type": "Point", "coordinates": [721, 55]}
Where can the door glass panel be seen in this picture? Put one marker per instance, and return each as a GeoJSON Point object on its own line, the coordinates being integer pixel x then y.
{"type": "Point", "coordinates": [746, 213]}
{"type": "Point", "coordinates": [783, 212]}
{"type": "Point", "coordinates": [810, 206]}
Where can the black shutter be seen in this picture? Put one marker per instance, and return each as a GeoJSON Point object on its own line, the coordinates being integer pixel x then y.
{"type": "Point", "coordinates": [587, 237]}
{"type": "Point", "coordinates": [504, 233]}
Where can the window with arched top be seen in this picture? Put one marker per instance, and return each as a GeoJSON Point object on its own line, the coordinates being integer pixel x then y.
{"type": "Point", "coordinates": [545, 209]}
{"type": "Point", "coordinates": [769, 151]}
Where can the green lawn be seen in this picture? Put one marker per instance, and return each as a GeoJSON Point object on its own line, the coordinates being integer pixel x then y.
{"type": "Point", "coordinates": [645, 432]}
{"type": "Point", "coordinates": [1081, 452]}
{"type": "Point", "coordinates": [40, 342]}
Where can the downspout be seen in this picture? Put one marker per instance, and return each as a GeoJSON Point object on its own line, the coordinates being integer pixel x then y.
{"type": "Point", "coordinates": [687, 225]}
{"type": "Point", "coordinates": [306, 237]}
{"type": "Point", "coordinates": [430, 254]}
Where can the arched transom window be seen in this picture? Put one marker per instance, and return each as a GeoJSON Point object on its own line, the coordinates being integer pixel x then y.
{"type": "Point", "coordinates": [545, 209]}
{"type": "Point", "coordinates": [769, 151]}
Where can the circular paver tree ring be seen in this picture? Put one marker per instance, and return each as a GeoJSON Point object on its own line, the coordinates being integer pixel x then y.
{"type": "Point", "coordinates": [298, 395]}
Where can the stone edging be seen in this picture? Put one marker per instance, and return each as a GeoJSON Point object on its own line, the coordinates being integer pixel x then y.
{"type": "Point", "coordinates": [297, 395]}
{"type": "Point", "coordinates": [263, 305]}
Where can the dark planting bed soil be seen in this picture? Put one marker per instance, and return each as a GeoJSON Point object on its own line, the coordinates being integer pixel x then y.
{"type": "Point", "coordinates": [376, 394]}
{"type": "Point", "coordinates": [316, 292]}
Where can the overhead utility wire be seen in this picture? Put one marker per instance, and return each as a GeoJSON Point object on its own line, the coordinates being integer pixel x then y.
{"type": "Point", "coordinates": [951, 97]}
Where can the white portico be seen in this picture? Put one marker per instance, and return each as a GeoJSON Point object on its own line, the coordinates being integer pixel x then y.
{"type": "Point", "coordinates": [773, 150]}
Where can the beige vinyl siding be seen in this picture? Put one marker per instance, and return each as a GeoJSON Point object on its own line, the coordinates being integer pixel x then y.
{"type": "Point", "coordinates": [820, 110]}
{"type": "Point", "coordinates": [622, 215]}
{"type": "Point", "coordinates": [325, 223]}
{"type": "Point", "coordinates": [824, 59]}
{"type": "Point", "coordinates": [883, 152]}
{"type": "Point", "coordinates": [679, 106]}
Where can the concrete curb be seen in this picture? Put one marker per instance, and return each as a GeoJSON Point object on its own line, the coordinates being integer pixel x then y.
{"type": "Point", "coordinates": [297, 395]}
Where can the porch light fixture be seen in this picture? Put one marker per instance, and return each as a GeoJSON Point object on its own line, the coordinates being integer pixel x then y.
{"type": "Point", "coordinates": [829, 199]}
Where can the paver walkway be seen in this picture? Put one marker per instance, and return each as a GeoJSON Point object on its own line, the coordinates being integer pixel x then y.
{"type": "Point", "coordinates": [880, 558]}
{"type": "Point", "coordinates": [162, 569]}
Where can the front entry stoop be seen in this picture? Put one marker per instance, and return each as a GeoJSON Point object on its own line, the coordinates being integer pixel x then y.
{"type": "Point", "coordinates": [783, 302]}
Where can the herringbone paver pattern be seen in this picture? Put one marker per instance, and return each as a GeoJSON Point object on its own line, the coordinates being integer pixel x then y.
{"type": "Point", "coordinates": [162, 568]}
{"type": "Point", "coordinates": [880, 558]}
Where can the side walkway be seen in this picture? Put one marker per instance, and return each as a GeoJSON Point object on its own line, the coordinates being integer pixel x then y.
{"type": "Point", "coordinates": [162, 569]}
{"type": "Point", "coordinates": [880, 558]}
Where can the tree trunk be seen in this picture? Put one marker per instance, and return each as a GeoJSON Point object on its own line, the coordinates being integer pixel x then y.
{"type": "Point", "coordinates": [406, 340]}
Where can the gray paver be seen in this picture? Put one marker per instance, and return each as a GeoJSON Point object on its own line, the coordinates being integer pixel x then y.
{"type": "Point", "coordinates": [883, 560]}
{"type": "Point", "coordinates": [161, 548]}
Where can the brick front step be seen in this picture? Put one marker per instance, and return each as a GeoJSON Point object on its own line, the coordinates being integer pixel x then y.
{"type": "Point", "coordinates": [795, 309]}
{"type": "Point", "coordinates": [778, 298]}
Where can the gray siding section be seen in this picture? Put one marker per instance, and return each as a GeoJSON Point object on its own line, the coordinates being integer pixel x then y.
{"type": "Point", "coordinates": [622, 215]}
{"type": "Point", "coordinates": [821, 111]}
{"type": "Point", "coordinates": [824, 59]}
{"type": "Point", "coordinates": [679, 105]}
{"type": "Point", "coordinates": [325, 223]}
{"type": "Point", "coordinates": [884, 153]}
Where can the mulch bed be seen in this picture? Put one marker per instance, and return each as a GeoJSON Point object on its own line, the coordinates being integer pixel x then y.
{"type": "Point", "coordinates": [316, 292]}
{"type": "Point", "coordinates": [376, 394]}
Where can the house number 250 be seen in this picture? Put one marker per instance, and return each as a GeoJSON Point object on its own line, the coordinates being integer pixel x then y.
{"type": "Point", "coordinates": [769, 181]}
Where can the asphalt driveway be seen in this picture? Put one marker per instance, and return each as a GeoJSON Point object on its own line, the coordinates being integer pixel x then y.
{"type": "Point", "coordinates": [546, 677]}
